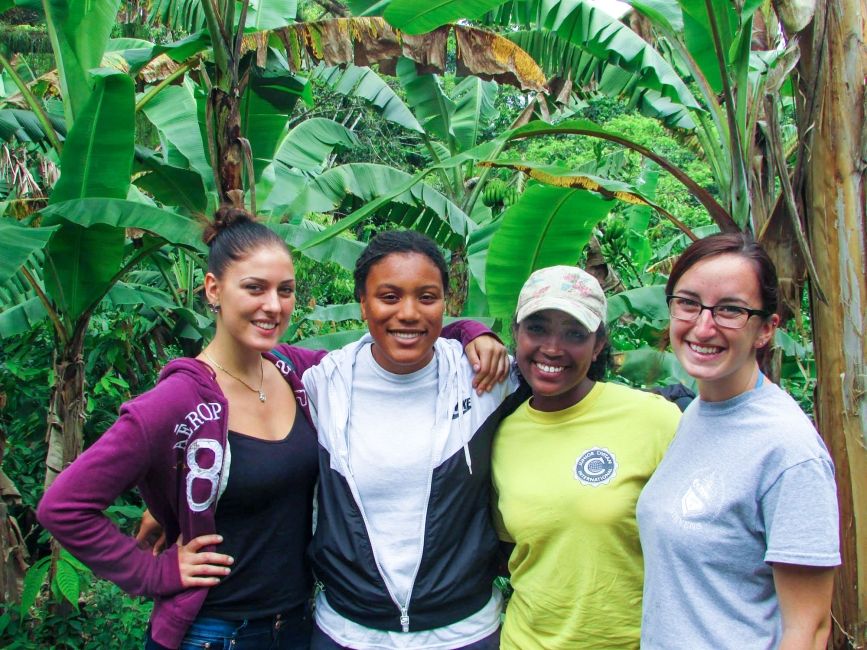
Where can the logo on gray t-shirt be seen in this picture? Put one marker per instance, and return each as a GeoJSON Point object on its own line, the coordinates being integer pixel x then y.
{"type": "Point", "coordinates": [704, 495]}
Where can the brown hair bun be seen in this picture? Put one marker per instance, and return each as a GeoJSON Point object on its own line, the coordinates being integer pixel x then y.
{"type": "Point", "coordinates": [225, 217]}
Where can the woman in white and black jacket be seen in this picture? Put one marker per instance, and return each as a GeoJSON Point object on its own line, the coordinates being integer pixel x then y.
{"type": "Point", "coordinates": [404, 547]}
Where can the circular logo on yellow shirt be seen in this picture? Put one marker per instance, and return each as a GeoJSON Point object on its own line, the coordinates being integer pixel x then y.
{"type": "Point", "coordinates": [596, 466]}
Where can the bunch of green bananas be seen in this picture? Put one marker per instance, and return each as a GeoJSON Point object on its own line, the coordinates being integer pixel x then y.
{"type": "Point", "coordinates": [499, 193]}
{"type": "Point", "coordinates": [612, 239]}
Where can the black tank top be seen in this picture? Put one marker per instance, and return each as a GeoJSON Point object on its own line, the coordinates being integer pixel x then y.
{"type": "Point", "coordinates": [265, 518]}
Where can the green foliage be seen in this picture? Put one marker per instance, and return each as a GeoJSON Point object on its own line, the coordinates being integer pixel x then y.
{"type": "Point", "coordinates": [549, 226]}
{"type": "Point", "coordinates": [19, 244]}
{"type": "Point", "coordinates": [105, 616]}
{"type": "Point", "coordinates": [408, 16]}
{"type": "Point", "coordinates": [613, 161]}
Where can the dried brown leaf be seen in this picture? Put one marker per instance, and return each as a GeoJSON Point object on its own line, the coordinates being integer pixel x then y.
{"type": "Point", "coordinates": [490, 56]}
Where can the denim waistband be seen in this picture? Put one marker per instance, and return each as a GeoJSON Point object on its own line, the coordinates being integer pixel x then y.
{"type": "Point", "coordinates": [273, 620]}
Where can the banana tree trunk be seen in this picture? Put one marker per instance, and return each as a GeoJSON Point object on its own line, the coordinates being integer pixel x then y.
{"type": "Point", "coordinates": [13, 552]}
{"type": "Point", "coordinates": [832, 69]}
{"type": "Point", "coordinates": [229, 159]}
{"type": "Point", "coordinates": [65, 423]}
{"type": "Point", "coordinates": [65, 435]}
{"type": "Point", "coordinates": [458, 282]}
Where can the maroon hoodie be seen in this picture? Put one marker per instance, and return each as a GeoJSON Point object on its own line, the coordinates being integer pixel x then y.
{"type": "Point", "coordinates": [170, 442]}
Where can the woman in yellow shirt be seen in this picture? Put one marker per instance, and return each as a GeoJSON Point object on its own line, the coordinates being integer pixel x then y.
{"type": "Point", "coordinates": [568, 465]}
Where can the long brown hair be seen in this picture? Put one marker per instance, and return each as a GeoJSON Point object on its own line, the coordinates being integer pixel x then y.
{"type": "Point", "coordinates": [731, 244]}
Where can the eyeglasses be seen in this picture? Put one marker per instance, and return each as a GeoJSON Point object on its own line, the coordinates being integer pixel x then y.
{"type": "Point", "coordinates": [730, 316]}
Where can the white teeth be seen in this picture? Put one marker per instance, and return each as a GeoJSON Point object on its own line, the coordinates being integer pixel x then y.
{"type": "Point", "coordinates": [264, 325]}
{"type": "Point", "coordinates": [704, 349]}
{"type": "Point", "coordinates": [545, 368]}
{"type": "Point", "coordinates": [406, 335]}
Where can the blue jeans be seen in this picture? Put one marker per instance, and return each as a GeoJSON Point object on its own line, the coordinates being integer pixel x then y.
{"type": "Point", "coordinates": [287, 631]}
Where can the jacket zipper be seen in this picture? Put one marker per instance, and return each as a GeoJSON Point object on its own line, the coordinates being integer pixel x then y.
{"type": "Point", "coordinates": [404, 609]}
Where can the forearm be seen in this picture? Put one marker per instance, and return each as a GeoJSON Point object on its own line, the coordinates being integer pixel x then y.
{"type": "Point", "coordinates": [804, 594]}
{"type": "Point", "coordinates": [806, 636]}
{"type": "Point", "coordinates": [73, 510]}
{"type": "Point", "coordinates": [466, 330]}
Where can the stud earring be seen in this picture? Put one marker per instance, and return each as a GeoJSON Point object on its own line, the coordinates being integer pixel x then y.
{"type": "Point", "coordinates": [214, 307]}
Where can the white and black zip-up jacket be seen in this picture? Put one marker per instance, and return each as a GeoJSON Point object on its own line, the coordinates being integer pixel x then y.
{"type": "Point", "coordinates": [457, 561]}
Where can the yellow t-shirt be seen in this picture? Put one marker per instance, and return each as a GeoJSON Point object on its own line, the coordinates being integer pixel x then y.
{"type": "Point", "coordinates": [566, 487]}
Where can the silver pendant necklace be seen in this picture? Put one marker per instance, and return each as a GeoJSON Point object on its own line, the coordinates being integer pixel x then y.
{"type": "Point", "coordinates": [235, 377]}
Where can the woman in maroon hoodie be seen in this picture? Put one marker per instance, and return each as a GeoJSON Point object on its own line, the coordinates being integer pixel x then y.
{"type": "Point", "coordinates": [234, 407]}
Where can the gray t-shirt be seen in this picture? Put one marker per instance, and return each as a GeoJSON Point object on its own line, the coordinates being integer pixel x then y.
{"type": "Point", "coordinates": [745, 483]}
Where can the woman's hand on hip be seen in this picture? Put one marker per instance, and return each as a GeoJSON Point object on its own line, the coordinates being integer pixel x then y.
{"type": "Point", "coordinates": [202, 568]}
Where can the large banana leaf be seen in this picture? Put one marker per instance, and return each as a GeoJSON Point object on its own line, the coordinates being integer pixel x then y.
{"type": "Point", "coordinates": [270, 14]}
{"type": "Point", "coordinates": [79, 31]}
{"type": "Point", "coordinates": [430, 104]}
{"type": "Point", "coordinates": [308, 145]}
{"type": "Point", "coordinates": [474, 110]}
{"type": "Point", "coordinates": [302, 153]}
{"type": "Point", "coordinates": [583, 25]}
{"type": "Point", "coordinates": [565, 59]}
{"type": "Point", "coordinates": [416, 17]}
{"type": "Point", "coordinates": [393, 192]}
{"type": "Point", "coordinates": [24, 126]}
{"type": "Point", "coordinates": [699, 40]}
{"type": "Point", "coordinates": [118, 214]}
{"type": "Point", "coordinates": [278, 186]}
{"type": "Point", "coordinates": [174, 112]}
{"type": "Point", "coordinates": [268, 100]}
{"type": "Point", "coordinates": [170, 185]}
{"type": "Point", "coordinates": [22, 317]}
{"type": "Point", "coordinates": [372, 40]}
{"type": "Point", "coordinates": [369, 209]}
{"type": "Point", "coordinates": [644, 302]}
{"type": "Point", "coordinates": [96, 162]}
{"type": "Point", "coordinates": [81, 265]}
{"type": "Point", "coordinates": [547, 226]}
{"type": "Point", "coordinates": [97, 157]}
{"type": "Point", "coordinates": [19, 243]}
{"type": "Point", "coordinates": [355, 81]}
{"type": "Point", "coordinates": [339, 250]}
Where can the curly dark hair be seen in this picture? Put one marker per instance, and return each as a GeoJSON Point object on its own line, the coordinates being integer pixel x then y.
{"type": "Point", "coordinates": [397, 241]}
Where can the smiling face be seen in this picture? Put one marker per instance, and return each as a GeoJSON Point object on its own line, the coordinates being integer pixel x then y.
{"type": "Point", "coordinates": [256, 295]}
{"type": "Point", "coordinates": [723, 360]}
{"type": "Point", "coordinates": [403, 304]}
{"type": "Point", "coordinates": [554, 352]}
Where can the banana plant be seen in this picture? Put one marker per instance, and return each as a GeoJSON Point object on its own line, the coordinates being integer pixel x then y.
{"type": "Point", "coordinates": [702, 76]}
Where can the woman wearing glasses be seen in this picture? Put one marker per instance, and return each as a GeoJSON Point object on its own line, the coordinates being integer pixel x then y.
{"type": "Point", "coordinates": [739, 522]}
